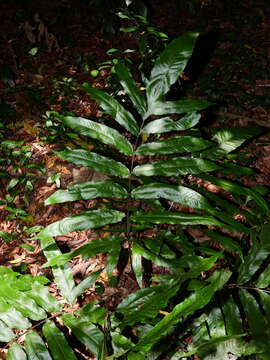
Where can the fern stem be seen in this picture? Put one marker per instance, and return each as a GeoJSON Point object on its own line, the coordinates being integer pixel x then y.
{"type": "Point", "coordinates": [129, 181]}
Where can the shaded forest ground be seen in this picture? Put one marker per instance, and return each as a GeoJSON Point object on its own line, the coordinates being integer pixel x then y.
{"type": "Point", "coordinates": [230, 67]}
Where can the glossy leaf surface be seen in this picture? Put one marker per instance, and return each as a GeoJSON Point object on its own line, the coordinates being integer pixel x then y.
{"type": "Point", "coordinates": [6, 334]}
{"type": "Point", "coordinates": [44, 298]}
{"type": "Point", "coordinates": [15, 352]}
{"type": "Point", "coordinates": [88, 250]}
{"type": "Point", "coordinates": [35, 347]}
{"type": "Point", "coordinates": [255, 257]}
{"type": "Point", "coordinates": [21, 302]}
{"type": "Point", "coordinates": [239, 190]}
{"type": "Point", "coordinates": [175, 166]}
{"type": "Point", "coordinates": [170, 65]}
{"type": "Point", "coordinates": [86, 332]}
{"type": "Point", "coordinates": [57, 342]}
{"type": "Point", "coordinates": [131, 88]}
{"type": "Point", "coordinates": [180, 106]}
{"type": "Point", "coordinates": [169, 217]}
{"type": "Point", "coordinates": [86, 191]}
{"type": "Point", "coordinates": [12, 317]}
{"type": "Point", "coordinates": [194, 302]}
{"type": "Point", "coordinates": [113, 108]}
{"type": "Point", "coordinates": [230, 139]}
{"type": "Point", "coordinates": [167, 124]}
{"type": "Point", "coordinates": [179, 194]}
{"type": "Point", "coordinates": [88, 220]}
{"type": "Point", "coordinates": [95, 161]}
{"type": "Point", "coordinates": [100, 132]}
{"type": "Point", "coordinates": [150, 301]}
{"type": "Point", "coordinates": [62, 274]}
{"type": "Point", "coordinates": [173, 145]}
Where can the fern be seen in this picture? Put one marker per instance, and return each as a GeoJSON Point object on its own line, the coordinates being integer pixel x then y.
{"type": "Point", "coordinates": [209, 294]}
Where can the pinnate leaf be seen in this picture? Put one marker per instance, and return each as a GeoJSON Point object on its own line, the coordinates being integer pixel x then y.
{"type": "Point", "coordinates": [194, 302]}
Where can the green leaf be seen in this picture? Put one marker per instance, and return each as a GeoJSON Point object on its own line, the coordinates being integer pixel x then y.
{"type": "Point", "coordinates": [62, 196]}
{"type": "Point", "coordinates": [100, 132]}
{"type": "Point", "coordinates": [6, 334]}
{"type": "Point", "coordinates": [43, 298]}
{"type": "Point", "coordinates": [12, 184]}
{"type": "Point", "coordinates": [256, 320]}
{"type": "Point", "coordinates": [175, 166]}
{"type": "Point", "coordinates": [255, 257]}
{"type": "Point", "coordinates": [194, 262]}
{"type": "Point", "coordinates": [192, 303]}
{"type": "Point", "coordinates": [88, 250]}
{"type": "Point", "coordinates": [7, 237]}
{"type": "Point", "coordinates": [148, 301]}
{"type": "Point", "coordinates": [21, 301]}
{"type": "Point", "coordinates": [235, 169]}
{"type": "Point", "coordinates": [239, 190]}
{"type": "Point", "coordinates": [167, 124]}
{"type": "Point", "coordinates": [62, 274]}
{"type": "Point", "coordinates": [57, 342]}
{"type": "Point", "coordinates": [15, 352]}
{"type": "Point", "coordinates": [223, 347]}
{"type": "Point", "coordinates": [93, 312]}
{"type": "Point", "coordinates": [232, 317]}
{"type": "Point", "coordinates": [88, 220]}
{"type": "Point", "coordinates": [264, 278]}
{"type": "Point", "coordinates": [11, 144]}
{"type": "Point", "coordinates": [137, 267]}
{"type": "Point", "coordinates": [230, 139]}
{"type": "Point", "coordinates": [179, 106]}
{"type": "Point", "coordinates": [265, 301]}
{"type": "Point", "coordinates": [130, 87]}
{"type": "Point", "coordinates": [35, 347]}
{"type": "Point", "coordinates": [169, 66]}
{"type": "Point", "coordinates": [174, 145]}
{"type": "Point", "coordinates": [86, 283]}
{"type": "Point", "coordinates": [141, 252]}
{"type": "Point", "coordinates": [86, 191]}
{"type": "Point", "coordinates": [225, 241]}
{"type": "Point", "coordinates": [12, 317]}
{"type": "Point", "coordinates": [169, 217]}
{"type": "Point", "coordinates": [113, 258]}
{"type": "Point", "coordinates": [113, 108]}
{"type": "Point", "coordinates": [85, 332]}
{"type": "Point", "coordinates": [179, 194]}
{"type": "Point", "coordinates": [95, 161]}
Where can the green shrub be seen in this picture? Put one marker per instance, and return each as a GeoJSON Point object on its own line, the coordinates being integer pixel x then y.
{"type": "Point", "coordinates": [160, 171]}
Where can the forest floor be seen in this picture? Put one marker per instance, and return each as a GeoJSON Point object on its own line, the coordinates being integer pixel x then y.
{"type": "Point", "coordinates": [229, 67]}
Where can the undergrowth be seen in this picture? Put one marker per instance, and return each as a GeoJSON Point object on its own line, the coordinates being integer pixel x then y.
{"type": "Point", "coordinates": [173, 208]}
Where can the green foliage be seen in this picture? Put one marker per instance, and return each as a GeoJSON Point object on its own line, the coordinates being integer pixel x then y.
{"type": "Point", "coordinates": [107, 10]}
{"type": "Point", "coordinates": [214, 294]}
{"type": "Point", "coordinates": [24, 299]}
{"type": "Point", "coordinates": [18, 172]}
